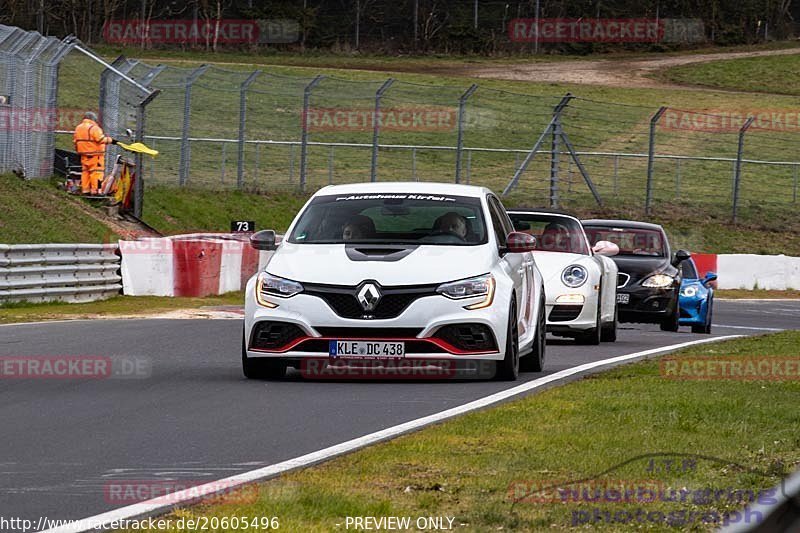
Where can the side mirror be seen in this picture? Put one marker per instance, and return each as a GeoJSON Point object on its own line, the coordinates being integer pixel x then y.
{"type": "Point", "coordinates": [710, 276]}
{"type": "Point", "coordinates": [680, 257]}
{"type": "Point", "coordinates": [263, 240]}
{"type": "Point", "coordinates": [606, 248]}
{"type": "Point", "coordinates": [517, 243]}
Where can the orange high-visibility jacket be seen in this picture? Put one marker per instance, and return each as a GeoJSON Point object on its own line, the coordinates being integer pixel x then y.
{"type": "Point", "coordinates": [89, 138]}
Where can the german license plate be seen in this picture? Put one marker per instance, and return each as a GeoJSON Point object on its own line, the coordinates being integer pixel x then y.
{"type": "Point", "coordinates": [623, 298]}
{"type": "Point", "coordinates": [366, 349]}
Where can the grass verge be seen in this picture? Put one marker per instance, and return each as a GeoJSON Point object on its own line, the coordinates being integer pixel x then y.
{"type": "Point", "coordinates": [742, 294]}
{"type": "Point", "coordinates": [775, 74]}
{"type": "Point", "coordinates": [629, 427]}
{"type": "Point", "coordinates": [34, 212]}
{"type": "Point", "coordinates": [171, 210]}
{"type": "Point", "coordinates": [120, 305]}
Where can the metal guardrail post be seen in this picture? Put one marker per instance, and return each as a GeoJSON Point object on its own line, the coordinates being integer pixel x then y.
{"type": "Point", "coordinates": [185, 154]}
{"type": "Point", "coordinates": [462, 108]}
{"type": "Point", "coordinates": [376, 128]}
{"type": "Point", "coordinates": [138, 184]}
{"type": "Point", "coordinates": [737, 168]}
{"type": "Point", "coordinates": [651, 158]}
{"type": "Point", "coordinates": [548, 130]}
{"type": "Point", "coordinates": [304, 130]}
{"type": "Point", "coordinates": [242, 126]}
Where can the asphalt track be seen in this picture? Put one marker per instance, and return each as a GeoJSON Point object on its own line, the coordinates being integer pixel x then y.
{"type": "Point", "coordinates": [195, 418]}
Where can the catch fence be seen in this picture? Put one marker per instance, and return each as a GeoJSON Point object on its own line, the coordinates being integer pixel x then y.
{"type": "Point", "coordinates": [265, 130]}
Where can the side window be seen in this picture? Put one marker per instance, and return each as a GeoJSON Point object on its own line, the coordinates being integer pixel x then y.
{"type": "Point", "coordinates": [500, 222]}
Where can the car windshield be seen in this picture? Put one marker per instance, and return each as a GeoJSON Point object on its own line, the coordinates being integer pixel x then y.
{"type": "Point", "coordinates": [688, 270]}
{"type": "Point", "coordinates": [553, 233]}
{"type": "Point", "coordinates": [631, 241]}
{"type": "Point", "coordinates": [391, 218]}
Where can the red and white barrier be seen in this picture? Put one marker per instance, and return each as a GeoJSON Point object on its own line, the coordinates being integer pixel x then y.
{"type": "Point", "coordinates": [188, 265]}
{"type": "Point", "coordinates": [205, 264]}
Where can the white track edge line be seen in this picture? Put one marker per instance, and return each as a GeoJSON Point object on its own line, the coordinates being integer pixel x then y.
{"type": "Point", "coordinates": [153, 506]}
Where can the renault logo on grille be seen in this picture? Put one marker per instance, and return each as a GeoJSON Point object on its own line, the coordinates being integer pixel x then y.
{"type": "Point", "coordinates": [369, 296]}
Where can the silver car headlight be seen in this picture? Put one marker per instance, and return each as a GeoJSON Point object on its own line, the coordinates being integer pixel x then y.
{"type": "Point", "coordinates": [269, 285]}
{"type": "Point", "coordinates": [574, 276]}
{"type": "Point", "coordinates": [469, 288]}
{"type": "Point", "coordinates": [689, 291]}
{"type": "Point", "coordinates": [658, 281]}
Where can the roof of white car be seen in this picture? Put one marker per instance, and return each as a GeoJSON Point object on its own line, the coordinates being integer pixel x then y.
{"type": "Point", "coordinates": [404, 187]}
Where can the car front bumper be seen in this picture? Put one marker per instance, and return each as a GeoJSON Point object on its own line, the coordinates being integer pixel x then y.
{"type": "Point", "coordinates": [647, 305]}
{"type": "Point", "coordinates": [693, 312]}
{"type": "Point", "coordinates": [421, 326]}
{"type": "Point", "coordinates": [571, 318]}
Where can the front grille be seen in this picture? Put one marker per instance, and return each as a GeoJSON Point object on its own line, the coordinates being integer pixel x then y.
{"type": "Point", "coordinates": [394, 300]}
{"type": "Point", "coordinates": [369, 333]}
{"type": "Point", "coordinates": [468, 337]}
{"type": "Point", "coordinates": [565, 313]}
{"type": "Point", "coordinates": [268, 335]}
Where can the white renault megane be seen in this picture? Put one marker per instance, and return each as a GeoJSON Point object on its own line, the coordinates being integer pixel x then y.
{"type": "Point", "coordinates": [427, 272]}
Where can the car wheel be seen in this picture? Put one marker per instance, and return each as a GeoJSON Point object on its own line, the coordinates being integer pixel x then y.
{"type": "Point", "coordinates": [508, 368]}
{"type": "Point", "coordinates": [671, 323]}
{"type": "Point", "coordinates": [706, 328]}
{"type": "Point", "coordinates": [534, 362]}
{"type": "Point", "coordinates": [591, 336]}
{"type": "Point", "coordinates": [609, 331]}
{"type": "Point", "coordinates": [261, 368]}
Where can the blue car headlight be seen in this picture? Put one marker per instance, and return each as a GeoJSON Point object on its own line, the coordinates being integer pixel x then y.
{"type": "Point", "coordinates": [690, 291]}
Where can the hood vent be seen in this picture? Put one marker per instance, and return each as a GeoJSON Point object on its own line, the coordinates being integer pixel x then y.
{"type": "Point", "coordinates": [377, 252]}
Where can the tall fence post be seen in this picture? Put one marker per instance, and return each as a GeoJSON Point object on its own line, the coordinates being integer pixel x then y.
{"type": "Point", "coordinates": [185, 154]}
{"type": "Point", "coordinates": [242, 126]}
{"type": "Point", "coordinates": [376, 128]}
{"type": "Point", "coordinates": [138, 183]}
{"type": "Point", "coordinates": [554, 161]}
{"type": "Point", "coordinates": [462, 108]}
{"type": "Point", "coordinates": [651, 153]}
{"type": "Point", "coordinates": [737, 169]}
{"type": "Point", "coordinates": [528, 158]}
{"type": "Point", "coordinates": [304, 132]}
{"type": "Point", "coordinates": [556, 132]}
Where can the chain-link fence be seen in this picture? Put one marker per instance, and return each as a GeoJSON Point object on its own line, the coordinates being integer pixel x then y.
{"type": "Point", "coordinates": [28, 90]}
{"type": "Point", "coordinates": [268, 131]}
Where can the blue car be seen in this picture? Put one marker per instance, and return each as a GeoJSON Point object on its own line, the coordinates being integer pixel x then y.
{"type": "Point", "coordinates": [696, 298]}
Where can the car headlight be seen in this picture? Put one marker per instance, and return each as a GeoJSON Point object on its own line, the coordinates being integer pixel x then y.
{"type": "Point", "coordinates": [660, 281]}
{"type": "Point", "coordinates": [574, 276]}
{"type": "Point", "coordinates": [470, 288]}
{"type": "Point", "coordinates": [269, 285]}
{"type": "Point", "coordinates": [689, 291]}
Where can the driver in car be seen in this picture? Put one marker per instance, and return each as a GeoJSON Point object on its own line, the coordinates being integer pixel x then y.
{"type": "Point", "coordinates": [357, 228]}
{"type": "Point", "coordinates": [452, 222]}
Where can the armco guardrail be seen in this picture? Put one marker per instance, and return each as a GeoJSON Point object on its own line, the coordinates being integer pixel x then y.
{"type": "Point", "coordinates": [59, 272]}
